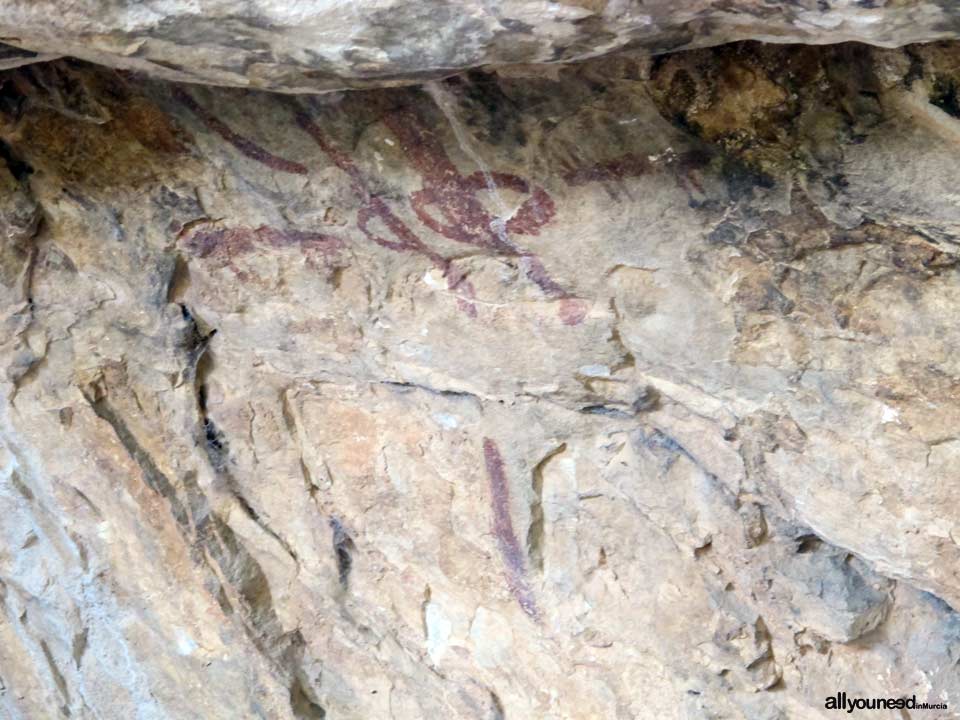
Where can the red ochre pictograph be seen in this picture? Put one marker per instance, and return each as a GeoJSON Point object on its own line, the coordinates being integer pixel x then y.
{"type": "Point", "coordinates": [514, 561]}
{"type": "Point", "coordinates": [448, 203]}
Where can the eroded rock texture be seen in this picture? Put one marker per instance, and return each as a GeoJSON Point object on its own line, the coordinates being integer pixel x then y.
{"type": "Point", "coordinates": [308, 46]}
{"type": "Point", "coordinates": [619, 390]}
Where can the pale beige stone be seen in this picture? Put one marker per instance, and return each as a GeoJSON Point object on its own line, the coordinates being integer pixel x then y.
{"type": "Point", "coordinates": [623, 389]}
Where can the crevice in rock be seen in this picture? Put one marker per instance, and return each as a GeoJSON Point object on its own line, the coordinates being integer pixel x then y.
{"type": "Point", "coordinates": [80, 646]}
{"type": "Point", "coordinates": [155, 479]}
{"type": "Point", "coordinates": [20, 486]}
{"type": "Point", "coordinates": [293, 430]}
{"type": "Point", "coordinates": [215, 443]}
{"type": "Point", "coordinates": [612, 411]}
{"type": "Point", "coordinates": [496, 707]}
{"type": "Point", "coordinates": [216, 543]}
{"type": "Point", "coordinates": [343, 548]}
{"type": "Point", "coordinates": [808, 544]}
{"type": "Point", "coordinates": [944, 96]}
{"type": "Point", "coordinates": [179, 281]}
{"type": "Point", "coordinates": [536, 532]}
{"type": "Point", "coordinates": [659, 442]}
{"type": "Point", "coordinates": [424, 605]}
{"type": "Point", "coordinates": [18, 167]}
{"type": "Point", "coordinates": [442, 392]}
{"type": "Point", "coordinates": [627, 358]}
{"type": "Point", "coordinates": [58, 678]}
{"type": "Point", "coordinates": [304, 708]}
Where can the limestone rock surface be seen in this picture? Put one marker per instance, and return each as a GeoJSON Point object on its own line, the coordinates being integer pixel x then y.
{"type": "Point", "coordinates": [322, 45]}
{"type": "Point", "coordinates": [626, 389]}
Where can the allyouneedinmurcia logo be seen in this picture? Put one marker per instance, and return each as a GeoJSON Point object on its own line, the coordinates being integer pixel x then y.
{"type": "Point", "coordinates": [841, 701]}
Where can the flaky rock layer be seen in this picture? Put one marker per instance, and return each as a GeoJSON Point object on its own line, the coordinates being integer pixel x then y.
{"type": "Point", "coordinates": [624, 389]}
{"type": "Point", "coordinates": [321, 45]}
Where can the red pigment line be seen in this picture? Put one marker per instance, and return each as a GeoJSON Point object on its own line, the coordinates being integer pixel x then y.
{"type": "Point", "coordinates": [225, 244]}
{"type": "Point", "coordinates": [632, 165]}
{"type": "Point", "coordinates": [245, 146]}
{"type": "Point", "coordinates": [538, 273]}
{"type": "Point", "coordinates": [532, 214]}
{"type": "Point", "coordinates": [513, 559]}
{"type": "Point", "coordinates": [218, 243]}
{"type": "Point", "coordinates": [573, 311]}
{"type": "Point", "coordinates": [336, 156]}
{"type": "Point", "coordinates": [458, 283]}
{"type": "Point", "coordinates": [687, 166]}
{"type": "Point", "coordinates": [232, 242]}
{"type": "Point", "coordinates": [421, 144]}
{"type": "Point", "coordinates": [457, 212]}
{"type": "Point", "coordinates": [454, 195]}
{"type": "Point", "coordinates": [373, 208]}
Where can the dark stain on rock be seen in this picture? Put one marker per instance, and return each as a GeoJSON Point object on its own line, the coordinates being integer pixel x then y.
{"type": "Point", "coordinates": [134, 141]}
{"type": "Point", "coordinates": [487, 107]}
{"type": "Point", "coordinates": [343, 548]}
{"type": "Point", "coordinates": [19, 168]}
{"type": "Point", "coordinates": [517, 26]}
{"type": "Point", "coordinates": [741, 179]}
{"type": "Point", "coordinates": [682, 92]}
{"type": "Point", "coordinates": [944, 96]}
{"type": "Point", "coordinates": [916, 70]}
{"type": "Point", "coordinates": [726, 233]}
{"type": "Point", "coordinates": [216, 445]}
{"type": "Point", "coordinates": [617, 170]}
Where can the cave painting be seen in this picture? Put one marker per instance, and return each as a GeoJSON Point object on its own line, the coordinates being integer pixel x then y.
{"type": "Point", "coordinates": [222, 246]}
{"type": "Point", "coordinates": [448, 203]}
{"type": "Point", "coordinates": [514, 561]}
{"type": "Point", "coordinates": [246, 147]}
{"type": "Point", "coordinates": [373, 208]}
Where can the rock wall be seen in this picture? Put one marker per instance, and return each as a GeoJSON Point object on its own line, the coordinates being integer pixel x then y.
{"type": "Point", "coordinates": [624, 389]}
{"type": "Point", "coordinates": [312, 46]}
